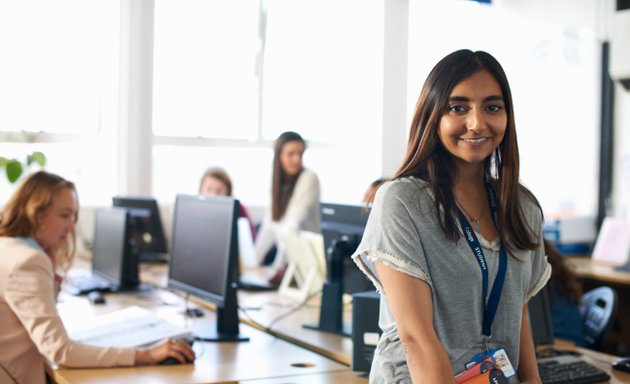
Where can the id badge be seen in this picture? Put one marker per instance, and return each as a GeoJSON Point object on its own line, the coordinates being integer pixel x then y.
{"type": "Point", "coordinates": [483, 355]}
{"type": "Point", "coordinates": [498, 357]}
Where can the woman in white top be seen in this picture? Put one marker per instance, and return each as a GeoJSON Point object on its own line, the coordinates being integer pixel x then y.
{"type": "Point", "coordinates": [294, 198]}
{"type": "Point", "coordinates": [37, 237]}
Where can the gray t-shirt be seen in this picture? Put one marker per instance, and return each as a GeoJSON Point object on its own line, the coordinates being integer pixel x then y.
{"type": "Point", "coordinates": [403, 233]}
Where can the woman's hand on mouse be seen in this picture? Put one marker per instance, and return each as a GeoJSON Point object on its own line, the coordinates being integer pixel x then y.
{"type": "Point", "coordinates": [178, 349]}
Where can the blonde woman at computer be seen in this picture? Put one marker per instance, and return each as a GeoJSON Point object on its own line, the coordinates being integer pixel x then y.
{"type": "Point", "coordinates": [294, 200]}
{"type": "Point", "coordinates": [216, 182]}
{"type": "Point", "coordinates": [452, 215]}
{"type": "Point", "coordinates": [37, 237]}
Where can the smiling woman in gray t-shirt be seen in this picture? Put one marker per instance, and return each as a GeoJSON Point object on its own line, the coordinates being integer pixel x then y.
{"type": "Point", "coordinates": [460, 176]}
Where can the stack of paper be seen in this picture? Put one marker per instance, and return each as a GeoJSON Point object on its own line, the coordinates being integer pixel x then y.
{"type": "Point", "coordinates": [127, 328]}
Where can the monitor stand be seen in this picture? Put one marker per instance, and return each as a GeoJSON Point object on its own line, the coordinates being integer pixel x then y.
{"type": "Point", "coordinates": [331, 312]}
{"type": "Point", "coordinates": [209, 333]}
{"type": "Point", "coordinates": [226, 327]}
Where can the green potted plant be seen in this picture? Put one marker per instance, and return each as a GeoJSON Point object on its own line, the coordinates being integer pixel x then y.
{"type": "Point", "coordinates": [14, 168]}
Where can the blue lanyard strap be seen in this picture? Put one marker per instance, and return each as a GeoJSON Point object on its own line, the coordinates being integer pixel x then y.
{"type": "Point", "coordinates": [490, 304]}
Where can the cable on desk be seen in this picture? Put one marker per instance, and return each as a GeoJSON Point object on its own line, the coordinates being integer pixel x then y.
{"type": "Point", "coordinates": [251, 319]}
{"type": "Point", "coordinates": [301, 305]}
{"type": "Point", "coordinates": [294, 309]}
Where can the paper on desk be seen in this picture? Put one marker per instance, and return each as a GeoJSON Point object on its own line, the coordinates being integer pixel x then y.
{"type": "Point", "coordinates": [246, 249]}
{"type": "Point", "coordinates": [126, 328]}
{"type": "Point", "coordinates": [613, 241]}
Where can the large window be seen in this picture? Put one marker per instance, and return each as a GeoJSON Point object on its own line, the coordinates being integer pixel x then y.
{"type": "Point", "coordinates": [240, 73]}
{"type": "Point", "coordinates": [205, 82]}
{"type": "Point", "coordinates": [59, 76]}
{"type": "Point", "coordinates": [552, 61]}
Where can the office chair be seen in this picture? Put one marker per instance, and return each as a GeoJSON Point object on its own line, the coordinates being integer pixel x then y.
{"type": "Point", "coordinates": [598, 309]}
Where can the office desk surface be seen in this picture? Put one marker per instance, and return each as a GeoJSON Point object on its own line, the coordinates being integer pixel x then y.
{"type": "Point", "coordinates": [284, 318]}
{"type": "Point", "coordinates": [594, 274]}
{"type": "Point", "coordinates": [263, 357]}
{"type": "Point", "coordinates": [587, 268]}
{"type": "Point", "coordinates": [604, 361]}
{"type": "Point", "coordinates": [280, 316]}
{"type": "Point", "coordinates": [265, 309]}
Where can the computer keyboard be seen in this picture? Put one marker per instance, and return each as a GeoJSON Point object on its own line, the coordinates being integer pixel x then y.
{"type": "Point", "coordinates": [251, 284]}
{"type": "Point", "coordinates": [153, 257]}
{"type": "Point", "coordinates": [567, 369]}
{"type": "Point", "coordinates": [623, 267]}
{"type": "Point", "coordinates": [83, 284]}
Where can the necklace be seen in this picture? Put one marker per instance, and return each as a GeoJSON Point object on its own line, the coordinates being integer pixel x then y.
{"type": "Point", "coordinates": [470, 217]}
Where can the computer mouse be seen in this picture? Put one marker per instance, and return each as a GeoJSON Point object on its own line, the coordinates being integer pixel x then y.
{"type": "Point", "coordinates": [174, 361]}
{"type": "Point", "coordinates": [622, 364]}
{"type": "Point", "coordinates": [194, 312]}
{"type": "Point", "coordinates": [96, 297]}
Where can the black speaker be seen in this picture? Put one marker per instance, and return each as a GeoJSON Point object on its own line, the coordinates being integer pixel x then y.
{"type": "Point", "coordinates": [365, 330]}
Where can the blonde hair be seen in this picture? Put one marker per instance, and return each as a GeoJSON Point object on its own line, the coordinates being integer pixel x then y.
{"type": "Point", "coordinates": [21, 215]}
{"type": "Point", "coordinates": [219, 174]}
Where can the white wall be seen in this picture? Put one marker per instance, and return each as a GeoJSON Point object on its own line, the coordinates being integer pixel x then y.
{"type": "Point", "coordinates": [551, 54]}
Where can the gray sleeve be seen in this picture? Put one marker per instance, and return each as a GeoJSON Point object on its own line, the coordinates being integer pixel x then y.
{"type": "Point", "coordinates": [391, 236]}
{"type": "Point", "coordinates": [541, 270]}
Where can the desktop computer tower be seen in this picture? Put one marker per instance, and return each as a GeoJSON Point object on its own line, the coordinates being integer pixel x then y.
{"type": "Point", "coordinates": [123, 269]}
{"type": "Point", "coordinates": [365, 330]}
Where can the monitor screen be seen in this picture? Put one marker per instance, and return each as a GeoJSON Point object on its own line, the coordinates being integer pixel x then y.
{"type": "Point", "coordinates": [112, 257]}
{"type": "Point", "coordinates": [204, 257]}
{"type": "Point", "coordinates": [146, 226]}
{"type": "Point", "coordinates": [539, 310]}
{"type": "Point", "coordinates": [342, 228]}
{"type": "Point", "coordinates": [109, 243]}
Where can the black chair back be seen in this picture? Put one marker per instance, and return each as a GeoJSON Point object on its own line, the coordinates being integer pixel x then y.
{"type": "Point", "coordinates": [598, 309]}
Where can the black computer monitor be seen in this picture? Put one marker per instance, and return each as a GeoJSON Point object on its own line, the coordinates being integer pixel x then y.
{"type": "Point", "coordinates": [146, 233]}
{"type": "Point", "coordinates": [342, 227]}
{"type": "Point", "coordinates": [112, 257]}
{"type": "Point", "coordinates": [204, 259]}
{"type": "Point", "coordinates": [541, 323]}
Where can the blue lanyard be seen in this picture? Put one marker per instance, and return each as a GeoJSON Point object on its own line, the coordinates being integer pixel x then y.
{"type": "Point", "coordinates": [490, 304]}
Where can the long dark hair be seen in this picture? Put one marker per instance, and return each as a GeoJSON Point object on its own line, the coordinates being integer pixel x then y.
{"type": "Point", "coordinates": [280, 178]}
{"type": "Point", "coordinates": [564, 278]}
{"type": "Point", "coordinates": [427, 159]}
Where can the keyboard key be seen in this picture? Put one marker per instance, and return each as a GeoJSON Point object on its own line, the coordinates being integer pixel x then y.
{"type": "Point", "coordinates": [82, 284]}
{"type": "Point", "coordinates": [566, 369]}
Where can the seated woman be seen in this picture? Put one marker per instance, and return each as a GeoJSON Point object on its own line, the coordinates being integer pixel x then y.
{"type": "Point", "coordinates": [37, 236]}
{"type": "Point", "coordinates": [217, 182]}
{"type": "Point", "coordinates": [565, 295]}
{"type": "Point", "coordinates": [294, 200]}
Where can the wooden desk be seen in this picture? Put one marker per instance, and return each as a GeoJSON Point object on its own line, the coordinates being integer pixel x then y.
{"type": "Point", "coordinates": [600, 360]}
{"type": "Point", "coordinates": [592, 275]}
{"type": "Point", "coordinates": [586, 268]}
{"type": "Point", "coordinates": [339, 347]}
{"type": "Point", "coordinates": [603, 361]}
{"type": "Point", "coordinates": [263, 357]}
{"type": "Point", "coordinates": [263, 309]}
{"type": "Point", "coordinates": [321, 378]}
